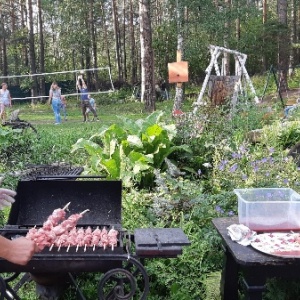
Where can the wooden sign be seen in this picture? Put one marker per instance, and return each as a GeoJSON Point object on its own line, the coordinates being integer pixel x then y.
{"type": "Point", "coordinates": [178, 72]}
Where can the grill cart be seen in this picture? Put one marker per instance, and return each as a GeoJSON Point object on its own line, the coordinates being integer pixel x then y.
{"type": "Point", "coordinates": [124, 275]}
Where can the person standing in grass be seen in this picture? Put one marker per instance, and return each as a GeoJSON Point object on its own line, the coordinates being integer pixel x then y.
{"type": "Point", "coordinates": [85, 102]}
{"type": "Point", "coordinates": [55, 101]}
{"type": "Point", "coordinates": [5, 101]}
{"type": "Point", "coordinates": [93, 105]}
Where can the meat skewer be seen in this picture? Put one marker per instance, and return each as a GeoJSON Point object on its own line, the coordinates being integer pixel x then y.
{"type": "Point", "coordinates": [80, 238]}
{"type": "Point", "coordinates": [87, 237]}
{"type": "Point", "coordinates": [103, 238]}
{"type": "Point", "coordinates": [96, 236]}
{"type": "Point", "coordinates": [112, 238]}
{"type": "Point", "coordinates": [46, 237]}
{"type": "Point", "coordinates": [69, 223]}
{"type": "Point", "coordinates": [72, 238]}
{"type": "Point", "coordinates": [58, 215]}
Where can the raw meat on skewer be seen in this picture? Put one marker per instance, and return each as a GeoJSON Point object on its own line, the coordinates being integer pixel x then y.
{"type": "Point", "coordinates": [31, 233]}
{"type": "Point", "coordinates": [112, 238]}
{"type": "Point", "coordinates": [39, 235]}
{"type": "Point", "coordinates": [72, 238]}
{"type": "Point", "coordinates": [68, 224]}
{"type": "Point", "coordinates": [80, 238]}
{"type": "Point", "coordinates": [96, 236]}
{"type": "Point", "coordinates": [61, 241]}
{"type": "Point", "coordinates": [87, 237]}
{"type": "Point", "coordinates": [58, 215]}
{"type": "Point", "coordinates": [103, 238]}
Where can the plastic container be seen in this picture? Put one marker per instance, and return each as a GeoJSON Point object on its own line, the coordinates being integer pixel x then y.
{"type": "Point", "coordinates": [269, 209]}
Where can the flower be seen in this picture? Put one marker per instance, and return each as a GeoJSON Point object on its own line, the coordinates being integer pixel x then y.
{"type": "Point", "coordinates": [222, 165]}
{"type": "Point", "coordinates": [285, 181]}
{"type": "Point", "coordinates": [244, 177]}
{"type": "Point", "coordinates": [233, 168]}
{"type": "Point", "coordinates": [236, 155]}
{"type": "Point", "coordinates": [219, 209]}
{"type": "Point", "coordinates": [242, 149]}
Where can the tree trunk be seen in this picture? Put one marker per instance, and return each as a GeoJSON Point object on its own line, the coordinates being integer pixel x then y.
{"type": "Point", "coordinates": [132, 47]}
{"type": "Point", "coordinates": [264, 20]}
{"type": "Point", "coordinates": [106, 37]}
{"type": "Point", "coordinates": [147, 58]}
{"type": "Point", "coordinates": [117, 38]}
{"type": "Point", "coordinates": [226, 38]}
{"type": "Point", "coordinates": [283, 45]}
{"type": "Point", "coordinates": [179, 90]}
{"type": "Point", "coordinates": [293, 37]}
{"type": "Point", "coordinates": [42, 51]}
{"type": "Point", "coordinates": [94, 43]}
{"type": "Point", "coordinates": [124, 43]}
{"type": "Point", "coordinates": [32, 63]}
{"type": "Point", "coordinates": [3, 53]}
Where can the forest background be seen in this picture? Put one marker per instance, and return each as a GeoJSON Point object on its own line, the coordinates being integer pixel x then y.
{"type": "Point", "coordinates": [48, 36]}
{"type": "Point", "coordinates": [51, 36]}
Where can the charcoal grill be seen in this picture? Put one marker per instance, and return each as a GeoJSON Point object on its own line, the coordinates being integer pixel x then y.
{"type": "Point", "coordinates": [121, 267]}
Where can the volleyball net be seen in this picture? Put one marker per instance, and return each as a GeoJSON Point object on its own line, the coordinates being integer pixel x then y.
{"type": "Point", "coordinates": [98, 80]}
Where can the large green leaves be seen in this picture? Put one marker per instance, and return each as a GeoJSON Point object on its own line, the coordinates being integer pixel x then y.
{"type": "Point", "coordinates": [130, 150]}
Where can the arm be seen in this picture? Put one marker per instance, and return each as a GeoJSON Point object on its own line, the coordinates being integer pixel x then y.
{"type": "Point", "coordinates": [83, 82]}
{"type": "Point", "coordinates": [18, 251]}
{"type": "Point", "coordinates": [50, 96]}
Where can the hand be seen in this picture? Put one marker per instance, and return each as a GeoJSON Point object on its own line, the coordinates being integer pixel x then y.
{"type": "Point", "coordinates": [21, 251]}
{"type": "Point", "coordinates": [6, 196]}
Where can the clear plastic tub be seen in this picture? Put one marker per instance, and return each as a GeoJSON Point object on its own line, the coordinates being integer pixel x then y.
{"type": "Point", "coordinates": [269, 209]}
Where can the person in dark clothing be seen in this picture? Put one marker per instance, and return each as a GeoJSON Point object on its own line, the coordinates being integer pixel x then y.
{"type": "Point", "coordinates": [85, 102]}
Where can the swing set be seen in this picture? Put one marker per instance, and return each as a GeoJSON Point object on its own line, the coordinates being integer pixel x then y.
{"type": "Point", "coordinates": [221, 84]}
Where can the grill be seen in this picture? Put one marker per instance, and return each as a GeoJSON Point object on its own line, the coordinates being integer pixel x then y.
{"type": "Point", "coordinates": [58, 170]}
{"type": "Point", "coordinates": [122, 267]}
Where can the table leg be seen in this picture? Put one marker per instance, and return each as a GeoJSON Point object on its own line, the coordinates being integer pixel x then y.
{"type": "Point", "coordinates": [229, 279]}
{"type": "Point", "coordinates": [254, 281]}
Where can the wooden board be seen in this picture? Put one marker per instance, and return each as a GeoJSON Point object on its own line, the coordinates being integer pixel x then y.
{"type": "Point", "coordinates": [178, 72]}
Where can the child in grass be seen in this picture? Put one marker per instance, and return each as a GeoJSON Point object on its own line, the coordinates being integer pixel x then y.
{"type": "Point", "coordinates": [93, 105]}
{"type": "Point", "coordinates": [5, 101]}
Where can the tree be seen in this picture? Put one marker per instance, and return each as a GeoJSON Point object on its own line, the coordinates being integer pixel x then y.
{"type": "Point", "coordinates": [32, 56]}
{"type": "Point", "coordinates": [147, 59]}
{"type": "Point", "coordinates": [42, 49]}
{"type": "Point", "coordinates": [283, 43]}
{"type": "Point", "coordinates": [179, 90]}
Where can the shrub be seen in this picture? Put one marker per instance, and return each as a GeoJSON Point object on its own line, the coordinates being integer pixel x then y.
{"type": "Point", "coordinates": [131, 150]}
{"type": "Point", "coordinates": [252, 167]}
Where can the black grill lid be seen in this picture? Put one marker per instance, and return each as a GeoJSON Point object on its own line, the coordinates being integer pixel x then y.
{"type": "Point", "coordinates": [36, 200]}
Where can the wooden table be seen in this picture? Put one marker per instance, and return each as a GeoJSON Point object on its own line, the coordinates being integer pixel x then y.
{"type": "Point", "coordinates": [254, 266]}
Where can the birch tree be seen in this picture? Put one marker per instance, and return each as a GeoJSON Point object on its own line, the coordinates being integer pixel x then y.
{"type": "Point", "coordinates": [147, 60]}
{"type": "Point", "coordinates": [179, 90]}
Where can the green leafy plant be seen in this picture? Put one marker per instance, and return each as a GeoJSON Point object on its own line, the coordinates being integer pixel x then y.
{"type": "Point", "coordinates": [130, 150]}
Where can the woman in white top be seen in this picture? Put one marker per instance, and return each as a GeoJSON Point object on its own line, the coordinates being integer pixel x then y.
{"type": "Point", "coordinates": [55, 101]}
{"type": "Point", "coordinates": [5, 100]}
